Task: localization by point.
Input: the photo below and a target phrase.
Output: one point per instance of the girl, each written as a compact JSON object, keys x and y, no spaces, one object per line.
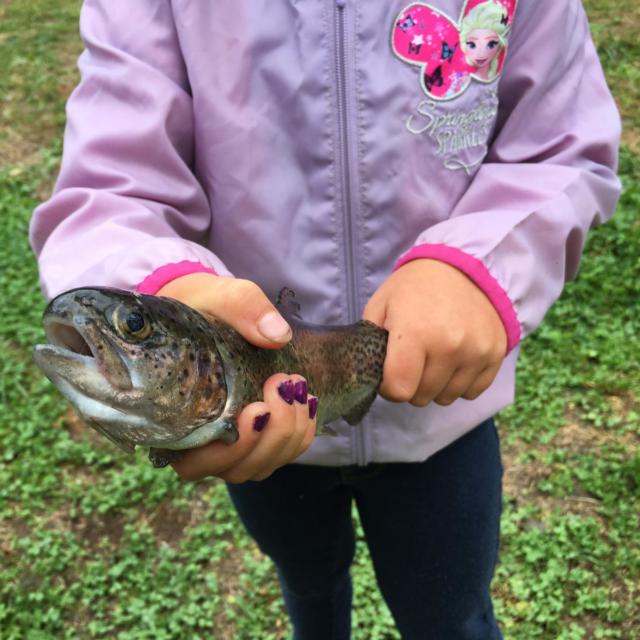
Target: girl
{"x":217,"y":151}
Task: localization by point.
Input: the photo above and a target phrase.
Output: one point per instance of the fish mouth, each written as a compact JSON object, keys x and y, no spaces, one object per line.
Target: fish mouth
{"x":82,"y":355}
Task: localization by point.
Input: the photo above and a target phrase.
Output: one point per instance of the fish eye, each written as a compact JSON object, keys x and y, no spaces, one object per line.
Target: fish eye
{"x":135,"y":322}
{"x":131,"y":324}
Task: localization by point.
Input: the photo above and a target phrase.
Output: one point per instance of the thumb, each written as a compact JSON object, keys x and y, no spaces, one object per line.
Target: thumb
{"x":240,"y":303}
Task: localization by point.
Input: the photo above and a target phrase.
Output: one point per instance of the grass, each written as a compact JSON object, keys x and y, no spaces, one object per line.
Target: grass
{"x":94,"y":544}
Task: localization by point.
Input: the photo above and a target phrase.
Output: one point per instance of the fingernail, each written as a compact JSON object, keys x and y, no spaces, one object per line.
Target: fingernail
{"x":313,"y":407}
{"x":260,"y":422}
{"x":287,"y":391}
{"x":274,"y":327}
{"x":300,"y":393}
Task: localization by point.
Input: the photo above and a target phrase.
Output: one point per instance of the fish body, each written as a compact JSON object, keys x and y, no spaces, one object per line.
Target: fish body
{"x":152,"y":372}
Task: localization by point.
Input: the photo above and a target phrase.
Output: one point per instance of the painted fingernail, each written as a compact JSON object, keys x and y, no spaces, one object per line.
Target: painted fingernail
{"x":260,"y":422}
{"x":313,"y":407}
{"x":300,"y":391}
{"x":287,"y":391}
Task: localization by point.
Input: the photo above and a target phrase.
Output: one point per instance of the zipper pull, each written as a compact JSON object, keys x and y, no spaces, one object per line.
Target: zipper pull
{"x":341,"y":4}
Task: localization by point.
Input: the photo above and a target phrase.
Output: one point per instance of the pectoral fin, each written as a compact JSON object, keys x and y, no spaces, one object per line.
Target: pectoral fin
{"x":162,"y":457}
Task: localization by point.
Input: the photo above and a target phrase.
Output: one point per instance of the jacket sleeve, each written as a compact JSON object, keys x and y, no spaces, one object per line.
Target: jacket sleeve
{"x":550,"y":174}
{"x":127,"y":208}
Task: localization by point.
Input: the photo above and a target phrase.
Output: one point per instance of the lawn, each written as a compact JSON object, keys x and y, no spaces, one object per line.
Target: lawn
{"x":94,"y":544}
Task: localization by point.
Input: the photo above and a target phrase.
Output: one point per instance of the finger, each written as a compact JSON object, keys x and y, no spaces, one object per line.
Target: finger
{"x":481,"y":383}
{"x":301,"y":395}
{"x":302,"y":437}
{"x":435,"y":377}
{"x":246,"y":308}
{"x":403,"y":366}
{"x":283,"y":427}
{"x":240,"y":303}
{"x":305,"y":443}
{"x":302,"y":422}
{"x":457,"y":386}
{"x":216,"y":457}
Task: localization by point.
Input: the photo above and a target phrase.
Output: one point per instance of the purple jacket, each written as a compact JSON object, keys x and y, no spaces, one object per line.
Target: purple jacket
{"x":318,"y":144}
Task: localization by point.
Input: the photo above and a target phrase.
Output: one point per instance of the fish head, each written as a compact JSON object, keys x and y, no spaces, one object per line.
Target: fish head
{"x":142,"y":370}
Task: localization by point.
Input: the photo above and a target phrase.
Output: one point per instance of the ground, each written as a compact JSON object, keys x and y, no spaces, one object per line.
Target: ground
{"x":95,"y":545}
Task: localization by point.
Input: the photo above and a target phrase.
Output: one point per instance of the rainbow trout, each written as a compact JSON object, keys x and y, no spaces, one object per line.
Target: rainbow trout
{"x":152,"y":372}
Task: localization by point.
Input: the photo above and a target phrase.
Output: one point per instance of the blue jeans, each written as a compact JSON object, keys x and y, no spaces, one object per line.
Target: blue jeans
{"x":432,"y":530}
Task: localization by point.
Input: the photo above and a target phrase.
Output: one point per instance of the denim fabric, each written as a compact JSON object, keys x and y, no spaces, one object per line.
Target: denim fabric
{"x":432,"y":529}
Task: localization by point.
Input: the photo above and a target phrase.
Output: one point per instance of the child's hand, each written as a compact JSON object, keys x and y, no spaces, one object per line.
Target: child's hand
{"x":273,"y":432}
{"x":446,"y":340}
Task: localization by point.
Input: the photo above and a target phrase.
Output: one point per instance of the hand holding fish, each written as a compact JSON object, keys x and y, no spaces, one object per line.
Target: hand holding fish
{"x":257,"y":453}
{"x":446,"y":340}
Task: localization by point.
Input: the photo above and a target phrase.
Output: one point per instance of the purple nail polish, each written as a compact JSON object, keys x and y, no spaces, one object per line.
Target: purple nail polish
{"x":260,"y":422}
{"x":300,"y":393}
{"x":313,"y":407}
{"x":287,"y":391}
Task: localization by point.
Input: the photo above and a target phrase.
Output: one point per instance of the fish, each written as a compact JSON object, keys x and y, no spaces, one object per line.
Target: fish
{"x":151,"y":372}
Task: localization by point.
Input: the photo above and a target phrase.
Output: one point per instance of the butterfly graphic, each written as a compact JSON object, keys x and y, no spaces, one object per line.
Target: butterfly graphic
{"x":407,"y":23}
{"x":426,"y":37}
{"x":435,"y":79}
{"x":447,"y":51}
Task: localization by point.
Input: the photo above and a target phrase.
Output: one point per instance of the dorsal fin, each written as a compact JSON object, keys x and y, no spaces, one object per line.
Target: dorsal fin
{"x":287,"y":303}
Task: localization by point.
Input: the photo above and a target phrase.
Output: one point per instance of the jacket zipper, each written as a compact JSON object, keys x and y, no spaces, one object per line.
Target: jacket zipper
{"x":346,"y":188}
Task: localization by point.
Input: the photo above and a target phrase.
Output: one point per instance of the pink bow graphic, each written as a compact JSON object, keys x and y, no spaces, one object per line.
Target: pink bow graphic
{"x":450,"y":55}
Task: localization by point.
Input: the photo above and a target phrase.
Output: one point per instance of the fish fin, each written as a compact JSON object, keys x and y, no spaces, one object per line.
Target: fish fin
{"x":326,"y":430}
{"x":126,"y":446}
{"x":162,"y":457}
{"x":357,"y":413}
{"x":287,"y":303}
{"x":229,"y":432}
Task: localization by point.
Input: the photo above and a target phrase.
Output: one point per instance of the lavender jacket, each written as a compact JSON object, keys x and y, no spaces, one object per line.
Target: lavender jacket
{"x":319,"y":144}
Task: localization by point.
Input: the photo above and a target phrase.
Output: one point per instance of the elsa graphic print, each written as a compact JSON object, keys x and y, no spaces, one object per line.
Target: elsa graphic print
{"x":450,"y":55}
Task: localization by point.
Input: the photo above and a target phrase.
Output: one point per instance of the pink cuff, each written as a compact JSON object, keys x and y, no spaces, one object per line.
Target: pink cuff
{"x":168,"y":272}
{"x":479,"y":274}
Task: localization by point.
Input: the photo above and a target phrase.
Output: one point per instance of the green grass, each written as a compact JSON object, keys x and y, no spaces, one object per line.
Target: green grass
{"x":94,"y":544}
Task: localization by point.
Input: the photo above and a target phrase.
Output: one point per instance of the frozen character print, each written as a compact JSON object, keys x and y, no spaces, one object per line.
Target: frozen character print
{"x":483,"y":36}
{"x":451,"y":54}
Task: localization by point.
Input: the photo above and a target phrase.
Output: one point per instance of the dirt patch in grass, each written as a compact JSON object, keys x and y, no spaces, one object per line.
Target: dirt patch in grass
{"x":168,"y":523}
{"x":228,"y":573}
{"x":96,"y":530}
{"x":522,"y":479}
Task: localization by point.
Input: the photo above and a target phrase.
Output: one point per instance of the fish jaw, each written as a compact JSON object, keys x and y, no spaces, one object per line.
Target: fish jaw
{"x":74,"y":375}
{"x":82,"y":355}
